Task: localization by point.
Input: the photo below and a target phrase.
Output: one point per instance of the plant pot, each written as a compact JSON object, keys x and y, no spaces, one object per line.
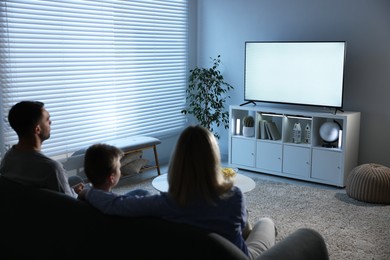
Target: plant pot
{"x":248,"y":131}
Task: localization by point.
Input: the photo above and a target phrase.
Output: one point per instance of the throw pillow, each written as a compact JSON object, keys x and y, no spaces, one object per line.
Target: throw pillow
{"x":134,"y":167}
{"x":129,"y":157}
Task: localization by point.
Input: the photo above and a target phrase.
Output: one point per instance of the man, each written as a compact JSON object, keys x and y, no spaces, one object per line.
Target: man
{"x":24,"y":163}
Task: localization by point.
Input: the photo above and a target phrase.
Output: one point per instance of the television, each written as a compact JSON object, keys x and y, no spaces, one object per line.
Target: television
{"x":295,"y":72}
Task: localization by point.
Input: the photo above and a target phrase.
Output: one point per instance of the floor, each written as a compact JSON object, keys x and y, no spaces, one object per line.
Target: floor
{"x":163,"y":168}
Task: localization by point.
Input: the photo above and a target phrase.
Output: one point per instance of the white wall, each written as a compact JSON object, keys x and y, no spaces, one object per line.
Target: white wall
{"x":224,"y":25}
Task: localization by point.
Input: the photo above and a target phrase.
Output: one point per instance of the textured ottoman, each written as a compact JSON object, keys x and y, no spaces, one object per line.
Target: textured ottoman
{"x":370,"y":183}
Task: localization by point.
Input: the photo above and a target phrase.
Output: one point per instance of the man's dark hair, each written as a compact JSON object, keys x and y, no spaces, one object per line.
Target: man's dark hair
{"x":24,"y":116}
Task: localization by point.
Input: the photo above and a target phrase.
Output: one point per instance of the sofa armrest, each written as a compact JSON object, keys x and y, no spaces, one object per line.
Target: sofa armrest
{"x":303,"y":244}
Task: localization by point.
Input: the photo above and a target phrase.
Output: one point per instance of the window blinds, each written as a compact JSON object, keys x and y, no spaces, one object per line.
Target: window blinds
{"x":104,"y":69}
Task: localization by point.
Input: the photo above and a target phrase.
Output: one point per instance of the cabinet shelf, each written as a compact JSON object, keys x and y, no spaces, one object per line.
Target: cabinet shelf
{"x":285,"y":153}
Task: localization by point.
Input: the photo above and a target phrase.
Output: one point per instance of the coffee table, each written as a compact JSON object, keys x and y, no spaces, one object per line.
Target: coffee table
{"x":245,"y":183}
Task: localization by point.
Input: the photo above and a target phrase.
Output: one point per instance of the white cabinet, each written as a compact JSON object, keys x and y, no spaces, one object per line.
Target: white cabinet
{"x":269,"y":156}
{"x":297,"y":160}
{"x":327,"y":166}
{"x":243,"y":152}
{"x":281,"y":152}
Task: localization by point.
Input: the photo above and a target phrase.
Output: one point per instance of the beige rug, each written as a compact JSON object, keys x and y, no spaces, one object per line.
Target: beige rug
{"x":352,"y":229}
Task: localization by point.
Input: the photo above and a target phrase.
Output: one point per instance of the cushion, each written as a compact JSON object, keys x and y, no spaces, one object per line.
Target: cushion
{"x":369,"y":183}
{"x":134,"y":167}
{"x":129,"y":157}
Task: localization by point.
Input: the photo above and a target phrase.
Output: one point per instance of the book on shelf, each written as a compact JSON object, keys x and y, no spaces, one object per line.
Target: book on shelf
{"x":272,"y":129}
{"x":263,"y":132}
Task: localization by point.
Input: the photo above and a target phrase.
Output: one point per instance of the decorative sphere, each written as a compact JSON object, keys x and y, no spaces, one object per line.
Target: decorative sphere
{"x":329,"y":131}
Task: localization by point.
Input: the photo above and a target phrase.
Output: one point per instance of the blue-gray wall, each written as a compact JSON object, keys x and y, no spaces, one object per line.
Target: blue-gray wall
{"x":222,"y":27}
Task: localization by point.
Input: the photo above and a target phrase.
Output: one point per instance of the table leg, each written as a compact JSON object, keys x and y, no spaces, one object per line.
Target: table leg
{"x":156,"y":158}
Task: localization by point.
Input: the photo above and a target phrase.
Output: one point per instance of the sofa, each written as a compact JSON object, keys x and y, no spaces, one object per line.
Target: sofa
{"x":44,"y":224}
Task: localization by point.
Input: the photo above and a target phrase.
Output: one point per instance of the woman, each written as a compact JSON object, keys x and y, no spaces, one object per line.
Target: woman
{"x":198,"y":195}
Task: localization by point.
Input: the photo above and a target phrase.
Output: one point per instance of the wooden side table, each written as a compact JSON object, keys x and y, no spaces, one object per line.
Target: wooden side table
{"x":127,"y":145}
{"x":139,"y":143}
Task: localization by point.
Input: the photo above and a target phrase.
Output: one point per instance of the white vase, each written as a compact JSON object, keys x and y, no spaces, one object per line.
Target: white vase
{"x":248,"y":131}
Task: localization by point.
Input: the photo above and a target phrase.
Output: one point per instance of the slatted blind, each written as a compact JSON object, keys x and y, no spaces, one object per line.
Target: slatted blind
{"x":104,"y":69}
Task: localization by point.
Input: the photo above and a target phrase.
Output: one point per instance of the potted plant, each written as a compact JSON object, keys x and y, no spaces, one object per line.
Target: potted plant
{"x":206,"y":96}
{"x":248,"y":130}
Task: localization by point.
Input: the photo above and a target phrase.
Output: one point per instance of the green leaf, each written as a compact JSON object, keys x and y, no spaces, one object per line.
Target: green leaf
{"x":206,"y":96}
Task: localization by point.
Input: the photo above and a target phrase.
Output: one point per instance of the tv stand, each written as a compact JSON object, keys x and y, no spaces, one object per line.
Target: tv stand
{"x":333,"y":110}
{"x":278,"y":153}
{"x":338,"y":109}
{"x":248,"y":102}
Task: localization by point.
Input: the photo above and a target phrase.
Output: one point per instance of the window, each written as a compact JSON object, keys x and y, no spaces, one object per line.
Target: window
{"x":104,"y":69}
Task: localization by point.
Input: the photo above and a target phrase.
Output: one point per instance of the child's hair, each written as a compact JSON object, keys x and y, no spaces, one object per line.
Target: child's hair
{"x":100,"y":161}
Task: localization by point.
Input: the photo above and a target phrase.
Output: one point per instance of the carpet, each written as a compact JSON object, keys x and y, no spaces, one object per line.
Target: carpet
{"x":351,"y":229}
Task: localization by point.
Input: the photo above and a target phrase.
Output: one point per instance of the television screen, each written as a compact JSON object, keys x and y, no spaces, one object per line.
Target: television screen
{"x":302,"y":73}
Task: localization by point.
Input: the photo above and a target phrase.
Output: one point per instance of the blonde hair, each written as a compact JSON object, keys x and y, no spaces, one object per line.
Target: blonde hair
{"x":194,"y":171}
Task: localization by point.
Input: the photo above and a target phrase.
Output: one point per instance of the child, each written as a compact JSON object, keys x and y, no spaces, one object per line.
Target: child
{"x":102,"y":166}
{"x":197,"y":195}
